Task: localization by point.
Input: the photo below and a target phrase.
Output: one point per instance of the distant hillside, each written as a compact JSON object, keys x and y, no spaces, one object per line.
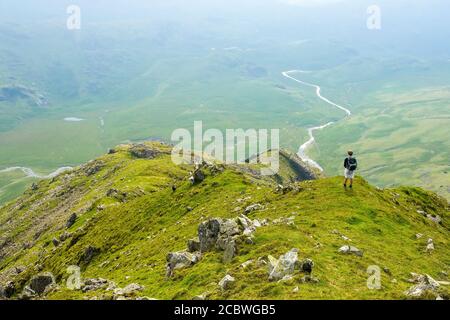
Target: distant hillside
{"x":139,"y":229}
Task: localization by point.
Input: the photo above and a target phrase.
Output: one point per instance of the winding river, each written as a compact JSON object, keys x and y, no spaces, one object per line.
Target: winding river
{"x":31,"y":174}
{"x":304,"y":147}
{"x":302,"y":152}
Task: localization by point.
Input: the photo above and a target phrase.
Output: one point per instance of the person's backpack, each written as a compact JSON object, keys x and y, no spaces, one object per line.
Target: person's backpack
{"x":352,"y":164}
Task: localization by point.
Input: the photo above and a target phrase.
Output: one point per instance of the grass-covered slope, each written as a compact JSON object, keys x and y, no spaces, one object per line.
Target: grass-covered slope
{"x":130,"y":217}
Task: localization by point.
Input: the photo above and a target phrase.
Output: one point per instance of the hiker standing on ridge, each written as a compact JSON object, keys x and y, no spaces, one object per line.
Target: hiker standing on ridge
{"x":350,"y":165}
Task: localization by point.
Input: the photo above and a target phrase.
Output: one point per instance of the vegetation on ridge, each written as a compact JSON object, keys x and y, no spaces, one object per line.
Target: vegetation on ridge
{"x":128,"y":219}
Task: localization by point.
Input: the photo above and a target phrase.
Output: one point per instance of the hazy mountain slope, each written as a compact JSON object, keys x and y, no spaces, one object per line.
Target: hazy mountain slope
{"x":129,"y":219}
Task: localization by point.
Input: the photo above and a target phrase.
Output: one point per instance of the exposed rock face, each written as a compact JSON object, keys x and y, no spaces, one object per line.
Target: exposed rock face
{"x":40,"y":283}
{"x":350,"y":250}
{"x":284,"y":266}
{"x":226,"y":282}
{"x":179,"y":260}
{"x":424,"y":285}
{"x":193,"y":245}
{"x":8,"y":290}
{"x":142,"y":151}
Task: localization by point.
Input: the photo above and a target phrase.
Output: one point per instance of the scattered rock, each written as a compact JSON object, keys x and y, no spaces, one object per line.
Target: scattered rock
{"x":55,"y":242}
{"x":421,"y":212}
{"x":34,"y":186}
{"x":296,"y":290}
{"x":179,"y":260}
{"x":435,"y":218}
{"x":71,"y":221}
{"x":419,"y":235}
{"x":351,"y":250}
{"x":341,"y":235}
{"x":253,"y":207}
{"x":93,"y":168}
{"x":96,"y":284}
{"x":226,"y":282}
{"x":116,"y":194}
{"x":64,"y":236}
{"x":130,"y":290}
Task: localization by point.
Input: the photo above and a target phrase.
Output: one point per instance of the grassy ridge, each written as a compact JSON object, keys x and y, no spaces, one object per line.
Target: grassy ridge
{"x":134,"y":236}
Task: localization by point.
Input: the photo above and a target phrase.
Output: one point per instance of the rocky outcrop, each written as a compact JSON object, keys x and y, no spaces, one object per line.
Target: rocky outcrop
{"x":425,"y":286}
{"x":226,"y":235}
{"x":93,"y":167}
{"x":39,"y":285}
